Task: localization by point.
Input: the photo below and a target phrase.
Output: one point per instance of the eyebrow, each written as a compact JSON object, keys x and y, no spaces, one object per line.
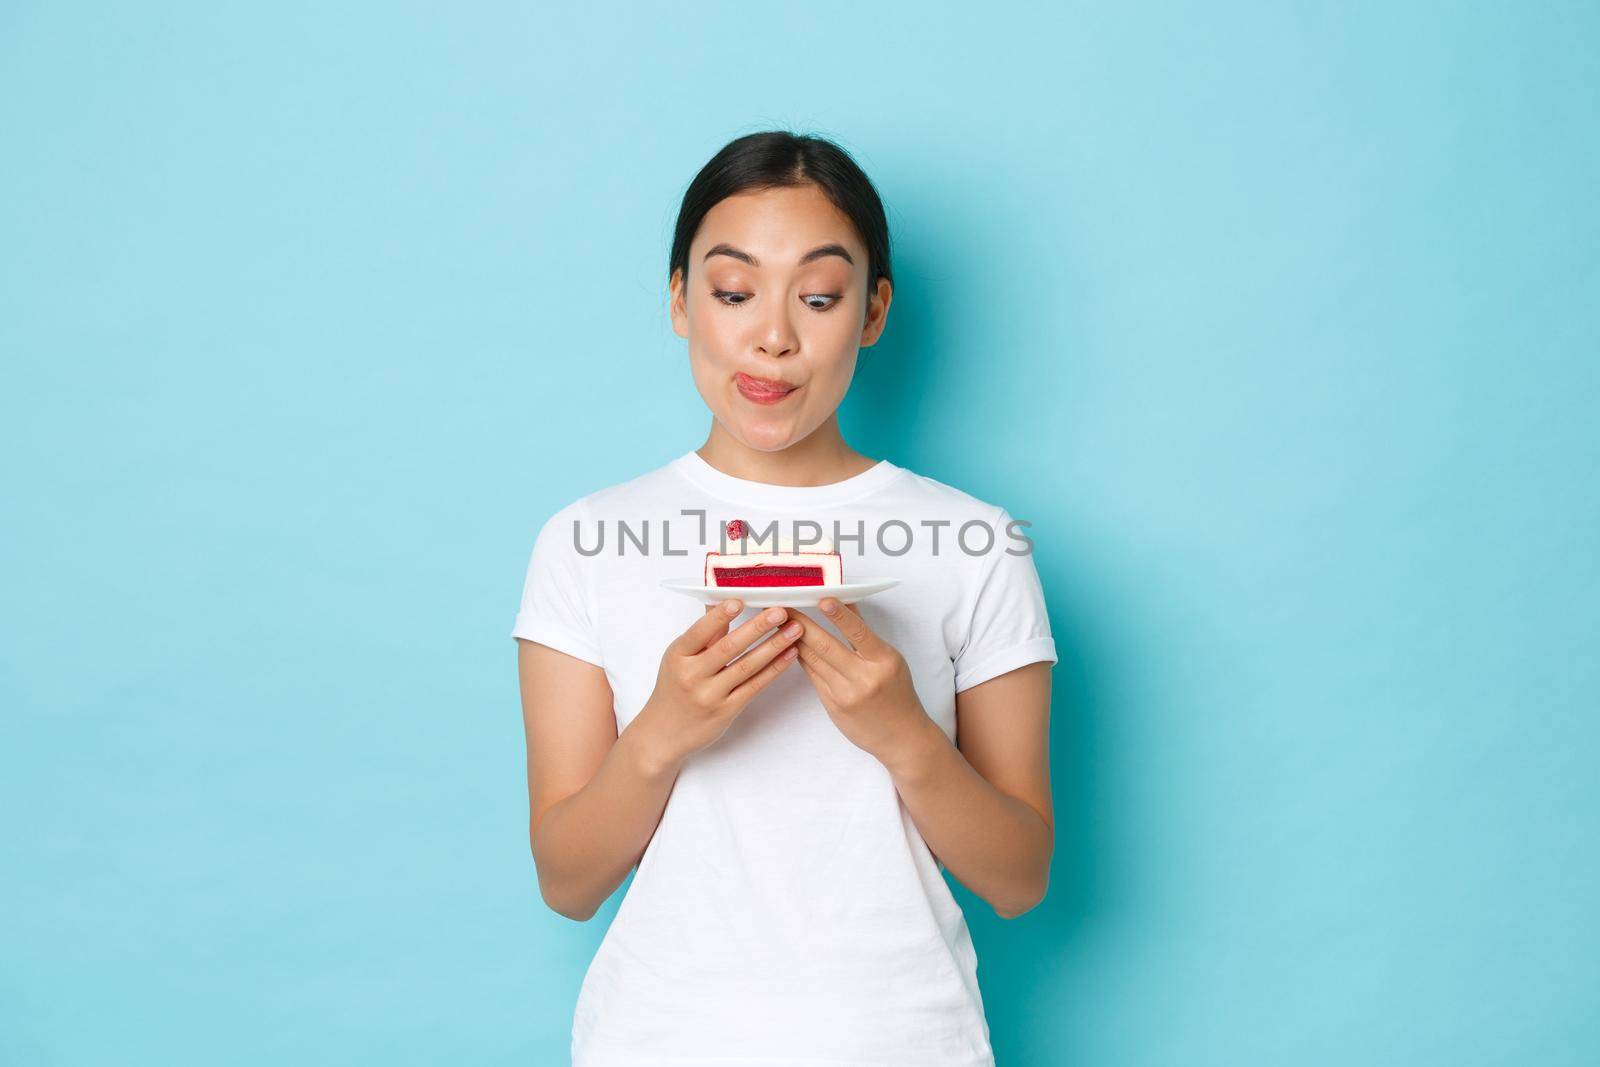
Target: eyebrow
{"x":818,"y":252}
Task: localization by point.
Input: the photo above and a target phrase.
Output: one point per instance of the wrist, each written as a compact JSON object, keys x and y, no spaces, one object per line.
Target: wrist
{"x":918,"y":752}
{"x":648,"y":753}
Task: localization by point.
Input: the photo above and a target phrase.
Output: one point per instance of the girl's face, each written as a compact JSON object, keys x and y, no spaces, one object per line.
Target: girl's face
{"x":775,"y":310}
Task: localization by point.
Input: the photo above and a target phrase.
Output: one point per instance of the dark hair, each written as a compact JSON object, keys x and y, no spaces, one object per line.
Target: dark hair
{"x":776,"y":159}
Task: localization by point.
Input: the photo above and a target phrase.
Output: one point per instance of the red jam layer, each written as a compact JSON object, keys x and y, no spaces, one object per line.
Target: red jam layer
{"x":726,"y":576}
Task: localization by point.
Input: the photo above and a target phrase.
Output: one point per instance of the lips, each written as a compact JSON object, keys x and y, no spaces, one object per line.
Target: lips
{"x":763,"y":390}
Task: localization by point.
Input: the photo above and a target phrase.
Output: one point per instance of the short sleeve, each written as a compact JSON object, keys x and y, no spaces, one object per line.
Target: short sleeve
{"x":557,"y":608}
{"x":1009,"y":627}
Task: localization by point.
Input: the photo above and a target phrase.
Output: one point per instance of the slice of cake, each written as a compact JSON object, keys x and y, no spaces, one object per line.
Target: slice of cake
{"x":749,"y":562}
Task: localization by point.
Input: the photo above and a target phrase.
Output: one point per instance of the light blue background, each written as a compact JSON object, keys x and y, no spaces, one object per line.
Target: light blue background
{"x":1279,"y":322}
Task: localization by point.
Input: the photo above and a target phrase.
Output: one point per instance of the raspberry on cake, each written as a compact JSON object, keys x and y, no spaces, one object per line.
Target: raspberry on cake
{"x":753,"y":563}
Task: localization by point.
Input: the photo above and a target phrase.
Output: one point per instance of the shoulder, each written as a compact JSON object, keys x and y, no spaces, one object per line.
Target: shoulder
{"x":981,"y":527}
{"x":929,"y":494}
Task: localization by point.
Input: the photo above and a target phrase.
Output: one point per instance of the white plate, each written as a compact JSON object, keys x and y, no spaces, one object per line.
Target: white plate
{"x":779,"y":596}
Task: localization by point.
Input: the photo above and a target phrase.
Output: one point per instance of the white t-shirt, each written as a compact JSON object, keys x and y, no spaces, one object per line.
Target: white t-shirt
{"x":787,"y":911}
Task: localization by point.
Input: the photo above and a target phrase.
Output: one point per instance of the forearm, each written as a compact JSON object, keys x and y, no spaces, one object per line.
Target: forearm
{"x":995,"y":845}
{"x":585,"y":844}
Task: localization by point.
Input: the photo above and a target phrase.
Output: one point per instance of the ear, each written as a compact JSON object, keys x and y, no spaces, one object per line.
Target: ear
{"x":676,"y":304}
{"x":877,"y":312}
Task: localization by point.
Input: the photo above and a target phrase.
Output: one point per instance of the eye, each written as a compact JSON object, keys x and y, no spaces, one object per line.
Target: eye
{"x":727,"y":297}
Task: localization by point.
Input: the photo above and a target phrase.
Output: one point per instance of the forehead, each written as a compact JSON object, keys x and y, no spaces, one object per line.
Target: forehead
{"x":777,"y":226}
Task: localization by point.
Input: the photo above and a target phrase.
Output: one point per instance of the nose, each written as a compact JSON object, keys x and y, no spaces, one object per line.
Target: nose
{"x":776,"y":336}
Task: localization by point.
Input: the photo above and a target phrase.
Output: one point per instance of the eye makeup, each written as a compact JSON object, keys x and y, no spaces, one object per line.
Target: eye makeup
{"x":833,"y":299}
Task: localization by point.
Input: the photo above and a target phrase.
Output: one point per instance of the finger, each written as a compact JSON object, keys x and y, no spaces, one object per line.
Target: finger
{"x":847,"y":617}
{"x":720,"y":651}
{"x":765,"y":676}
{"x":823,"y":652}
{"x":710,"y":626}
{"x":817,"y":680}
{"x":752,"y":662}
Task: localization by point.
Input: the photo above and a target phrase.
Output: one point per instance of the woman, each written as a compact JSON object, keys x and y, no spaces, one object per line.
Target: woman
{"x":787,"y":794}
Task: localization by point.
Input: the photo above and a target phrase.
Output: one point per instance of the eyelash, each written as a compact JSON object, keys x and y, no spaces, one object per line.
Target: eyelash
{"x":720,"y":293}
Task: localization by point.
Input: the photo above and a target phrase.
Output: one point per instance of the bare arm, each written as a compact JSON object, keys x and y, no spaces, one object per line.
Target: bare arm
{"x":595,"y":798}
{"x":983,"y":808}
{"x":983,"y":805}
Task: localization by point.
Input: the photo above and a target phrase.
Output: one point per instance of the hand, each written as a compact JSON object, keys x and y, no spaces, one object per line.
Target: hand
{"x":699,"y":692}
{"x":867,"y":691}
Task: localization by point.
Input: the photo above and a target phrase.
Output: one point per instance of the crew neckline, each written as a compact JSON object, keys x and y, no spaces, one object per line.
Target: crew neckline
{"x":744,"y":491}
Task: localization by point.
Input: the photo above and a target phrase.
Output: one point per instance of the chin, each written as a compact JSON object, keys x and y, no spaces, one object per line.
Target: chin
{"x":765,"y":436}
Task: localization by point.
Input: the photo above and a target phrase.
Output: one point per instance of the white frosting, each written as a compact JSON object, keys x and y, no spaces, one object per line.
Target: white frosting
{"x":785,"y":545}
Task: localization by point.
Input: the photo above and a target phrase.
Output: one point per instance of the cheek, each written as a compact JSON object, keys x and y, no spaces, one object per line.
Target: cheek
{"x":841,"y":334}
{"x":831,"y":379}
{"x":714,"y":335}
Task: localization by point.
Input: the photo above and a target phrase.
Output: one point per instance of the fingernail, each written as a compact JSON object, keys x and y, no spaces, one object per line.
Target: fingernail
{"x":731,"y":607}
{"x":775,"y":616}
{"x":792,"y":630}
{"x":830,"y":606}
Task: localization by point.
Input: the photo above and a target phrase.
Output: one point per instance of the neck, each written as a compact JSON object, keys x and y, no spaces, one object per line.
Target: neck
{"x":822,"y":458}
